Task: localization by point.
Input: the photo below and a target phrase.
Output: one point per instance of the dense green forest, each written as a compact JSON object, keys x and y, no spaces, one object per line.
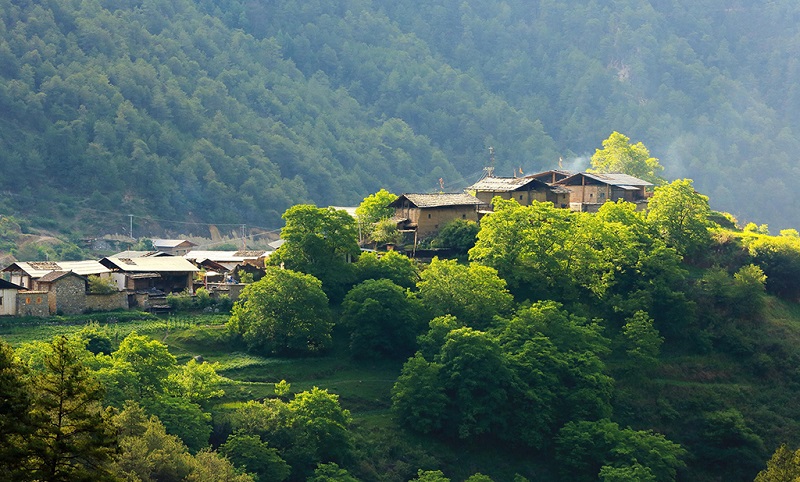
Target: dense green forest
{"x":232,"y":111}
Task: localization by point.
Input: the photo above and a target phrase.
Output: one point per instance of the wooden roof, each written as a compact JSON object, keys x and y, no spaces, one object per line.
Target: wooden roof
{"x":437,"y":200}
{"x":161,"y":264}
{"x":623,"y":181}
{"x":506,"y":184}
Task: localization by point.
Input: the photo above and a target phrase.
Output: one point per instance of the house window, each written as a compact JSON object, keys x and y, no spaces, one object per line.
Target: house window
{"x":27,"y":301}
{"x":1,"y":301}
{"x":429,"y":216}
{"x":38,"y":299}
{"x":463,"y":216}
{"x":520,"y":197}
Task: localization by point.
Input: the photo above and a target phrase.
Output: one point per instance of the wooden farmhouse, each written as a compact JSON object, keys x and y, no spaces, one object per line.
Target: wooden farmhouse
{"x":524,"y":190}
{"x":168,"y":274}
{"x":425,"y":214}
{"x":175,"y":247}
{"x":588,"y":191}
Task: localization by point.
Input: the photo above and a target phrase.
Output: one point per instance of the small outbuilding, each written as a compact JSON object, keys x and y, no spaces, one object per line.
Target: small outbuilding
{"x":8,"y":297}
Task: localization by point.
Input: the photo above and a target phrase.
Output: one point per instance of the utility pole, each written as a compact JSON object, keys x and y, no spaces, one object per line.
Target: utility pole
{"x":244,"y":237}
{"x":130,"y":231}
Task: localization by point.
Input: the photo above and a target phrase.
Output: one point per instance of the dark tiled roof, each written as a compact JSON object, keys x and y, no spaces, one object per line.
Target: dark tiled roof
{"x":438,"y":200}
{"x":54,"y":276}
{"x":7,"y":285}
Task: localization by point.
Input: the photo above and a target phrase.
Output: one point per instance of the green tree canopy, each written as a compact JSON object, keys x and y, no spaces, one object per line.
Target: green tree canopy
{"x":474,"y":294}
{"x":321,"y":242}
{"x":398,"y":268}
{"x":384,"y":320}
{"x":619,"y":155}
{"x":375,"y":207}
{"x":284,"y":312}
{"x":74,"y":438}
{"x":680,"y":215}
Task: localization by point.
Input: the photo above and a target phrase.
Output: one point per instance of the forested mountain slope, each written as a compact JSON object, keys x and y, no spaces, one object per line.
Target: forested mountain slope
{"x":231,"y":111}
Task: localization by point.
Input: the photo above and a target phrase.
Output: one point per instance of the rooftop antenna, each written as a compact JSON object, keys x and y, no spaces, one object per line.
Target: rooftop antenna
{"x":490,"y":168}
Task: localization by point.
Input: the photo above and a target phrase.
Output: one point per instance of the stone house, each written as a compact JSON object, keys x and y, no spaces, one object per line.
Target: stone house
{"x":25,"y":274}
{"x":425,"y":214}
{"x":588,"y":191}
{"x":524,"y":190}
{"x":66,"y":292}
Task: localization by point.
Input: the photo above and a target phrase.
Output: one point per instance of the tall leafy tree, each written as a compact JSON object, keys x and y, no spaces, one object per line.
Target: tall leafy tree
{"x":474,"y":294}
{"x":680,"y":215}
{"x":619,"y":155}
{"x":321,"y":242}
{"x":384,"y":320}
{"x":285,"y":312}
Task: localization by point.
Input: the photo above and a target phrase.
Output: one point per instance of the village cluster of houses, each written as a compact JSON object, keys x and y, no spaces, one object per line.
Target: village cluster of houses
{"x":424,"y":214}
{"x":144,"y":278}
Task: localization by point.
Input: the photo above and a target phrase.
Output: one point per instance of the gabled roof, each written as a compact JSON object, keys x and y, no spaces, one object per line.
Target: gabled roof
{"x":437,"y":200}
{"x":7,"y":285}
{"x":506,"y":184}
{"x":351,"y":210}
{"x":225,"y":256}
{"x":37,"y":269}
{"x":57,"y":275}
{"x":556,"y":174}
{"x":172,"y":243}
{"x":138,"y":254}
{"x":276,"y":244}
{"x":161,"y":264}
{"x":623,"y":181}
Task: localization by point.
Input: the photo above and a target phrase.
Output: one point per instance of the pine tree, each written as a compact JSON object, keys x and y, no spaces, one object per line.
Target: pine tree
{"x":74,"y":439}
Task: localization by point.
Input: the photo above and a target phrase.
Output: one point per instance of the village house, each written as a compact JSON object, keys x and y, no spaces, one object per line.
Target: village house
{"x":524,"y":190}
{"x":229,"y":259}
{"x":588,"y":191}
{"x":175,"y":247}
{"x":168,"y":274}
{"x":66,"y":292}
{"x":425,"y":214}
{"x":25,"y":274}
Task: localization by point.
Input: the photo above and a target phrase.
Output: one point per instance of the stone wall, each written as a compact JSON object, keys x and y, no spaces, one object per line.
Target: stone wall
{"x":107,"y":302}
{"x":70,"y":296}
{"x":33,"y":303}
